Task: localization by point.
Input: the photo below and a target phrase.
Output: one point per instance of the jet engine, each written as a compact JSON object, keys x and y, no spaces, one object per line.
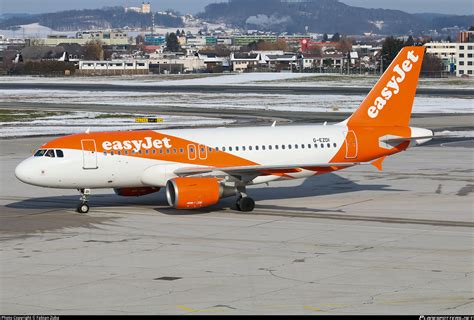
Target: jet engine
{"x":135,"y":191}
{"x":191,"y":193}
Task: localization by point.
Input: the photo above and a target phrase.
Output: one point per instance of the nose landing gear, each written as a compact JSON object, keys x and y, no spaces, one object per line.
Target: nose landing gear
{"x":83,"y":207}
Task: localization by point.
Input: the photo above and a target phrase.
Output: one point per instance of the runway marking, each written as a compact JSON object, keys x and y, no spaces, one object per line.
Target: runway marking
{"x":357,"y":202}
{"x":199,"y":310}
{"x":363,"y":218}
{"x":313,"y":309}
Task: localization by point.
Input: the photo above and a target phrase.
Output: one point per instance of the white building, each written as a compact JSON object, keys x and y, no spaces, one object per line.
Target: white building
{"x":145,"y":8}
{"x":465,"y":59}
{"x":456,"y":56}
{"x":244,"y":61}
{"x":114,"y":67}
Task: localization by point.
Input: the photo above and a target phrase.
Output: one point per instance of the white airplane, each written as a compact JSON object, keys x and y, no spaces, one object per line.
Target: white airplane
{"x":200,"y":166}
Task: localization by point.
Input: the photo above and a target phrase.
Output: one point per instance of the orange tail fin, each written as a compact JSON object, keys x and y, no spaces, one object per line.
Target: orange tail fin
{"x":390,"y":101}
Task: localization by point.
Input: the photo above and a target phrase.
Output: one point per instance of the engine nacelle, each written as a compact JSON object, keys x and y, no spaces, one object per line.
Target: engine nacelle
{"x":135,"y":191}
{"x":191,"y":193}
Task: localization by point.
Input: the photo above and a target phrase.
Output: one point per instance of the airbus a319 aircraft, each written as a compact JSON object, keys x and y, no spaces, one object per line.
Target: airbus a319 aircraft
{"x":197,"y":167}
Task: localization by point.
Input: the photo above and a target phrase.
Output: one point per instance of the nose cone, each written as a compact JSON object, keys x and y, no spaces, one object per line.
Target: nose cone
{"x":25,"y":172}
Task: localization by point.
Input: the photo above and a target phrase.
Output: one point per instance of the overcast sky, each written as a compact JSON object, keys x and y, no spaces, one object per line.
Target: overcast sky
{"x":193,"y":6}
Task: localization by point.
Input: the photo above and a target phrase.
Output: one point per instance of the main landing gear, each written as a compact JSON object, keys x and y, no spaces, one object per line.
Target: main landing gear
{"x":83,"y":207}
{"x":244,"y":203}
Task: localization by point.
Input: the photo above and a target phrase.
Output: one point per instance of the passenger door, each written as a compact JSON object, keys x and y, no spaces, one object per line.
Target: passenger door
{"x":89,"y":154}
{"x":351,"y":145}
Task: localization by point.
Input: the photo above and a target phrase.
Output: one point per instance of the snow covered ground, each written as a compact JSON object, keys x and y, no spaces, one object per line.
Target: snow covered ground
{"x":284,"y":102}
{"x":75,"y":122}
{"x":243,"y":79}
{"x":34,"y":30}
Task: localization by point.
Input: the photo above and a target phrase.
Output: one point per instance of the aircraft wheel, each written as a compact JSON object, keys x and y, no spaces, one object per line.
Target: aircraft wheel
{"x":245,"y":204}
{"x":83,"y":208}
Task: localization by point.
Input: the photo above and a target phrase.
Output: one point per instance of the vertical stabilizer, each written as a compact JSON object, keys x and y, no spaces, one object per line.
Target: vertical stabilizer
{"x":390,"y":101}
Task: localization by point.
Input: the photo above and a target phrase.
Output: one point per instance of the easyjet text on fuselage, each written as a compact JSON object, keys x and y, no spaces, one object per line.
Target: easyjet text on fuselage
{"x":137,"y":145}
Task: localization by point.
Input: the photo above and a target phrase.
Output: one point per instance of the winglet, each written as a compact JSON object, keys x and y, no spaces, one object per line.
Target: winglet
{"x":378,"y":163}
{"x":274,"y":123}
{"x":88,"y":130}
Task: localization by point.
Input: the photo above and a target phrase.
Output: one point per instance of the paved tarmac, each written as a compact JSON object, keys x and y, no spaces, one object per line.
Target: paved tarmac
{"x":346,"y":90}
{"x":359,"y":241}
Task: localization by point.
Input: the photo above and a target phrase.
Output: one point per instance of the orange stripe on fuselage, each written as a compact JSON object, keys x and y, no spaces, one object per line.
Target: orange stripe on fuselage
{"x":176,"y":145}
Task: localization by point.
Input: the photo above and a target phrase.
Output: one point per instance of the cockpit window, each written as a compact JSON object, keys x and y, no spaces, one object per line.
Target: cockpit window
{"x":40,"y":153}
{"x":49,"y":153}
{"x":59,"y":154}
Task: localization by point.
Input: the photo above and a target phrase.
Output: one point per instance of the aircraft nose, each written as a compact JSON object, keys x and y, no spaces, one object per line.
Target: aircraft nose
{"x":25,"y":172}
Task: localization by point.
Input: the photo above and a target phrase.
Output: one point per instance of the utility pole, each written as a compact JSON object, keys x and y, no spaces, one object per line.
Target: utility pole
{"x":381,"y":63}
{"x":152,"y":24}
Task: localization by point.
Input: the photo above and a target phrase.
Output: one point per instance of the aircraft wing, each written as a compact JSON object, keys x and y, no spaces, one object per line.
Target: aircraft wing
{"x":260,"y":169}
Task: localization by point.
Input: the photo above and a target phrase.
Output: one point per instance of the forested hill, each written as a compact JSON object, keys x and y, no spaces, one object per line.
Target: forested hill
{"x":324,"y":16}
{"x":89,"y":19}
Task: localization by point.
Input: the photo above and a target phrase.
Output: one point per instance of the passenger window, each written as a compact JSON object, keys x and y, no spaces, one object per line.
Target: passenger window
{"x":236,"y":148}
{"x":289,"y":146}
{"x":59,"y":154}
{"x":263,"y":147}
{"x":334,"y":145}
{"x":230,"y":148}
{"x":309,"y":145}
{"x":49,"y":153}
{"x":296,"y":146}
{"x":145,"y":152}
{"x":174,"y":150}
{"x":250,"y":148}
{"x":302,"y":146}
{"x":139,"y":151}
{"x":243,"y":148}
{"x":256,"y":148}
{"x":322,"y":145}
{"x":270,"y":147}
{"x":154,"y":151}
{"x":329,"y":145}
{"x":283,"y":146}
{"x":105,"y":153}
{"x":276,"y":147}
{"x":316,"y":145}
{"x":217,"y":149}
{"x":181,"y":150}
{"x":223,"y":148}
{"x":161,"y":151}
{"x":118,"y":152}
{"x":126,"y":152}
{"x":167,"y":151}
{"x":111,"y":153}
{"x":210,"y":149}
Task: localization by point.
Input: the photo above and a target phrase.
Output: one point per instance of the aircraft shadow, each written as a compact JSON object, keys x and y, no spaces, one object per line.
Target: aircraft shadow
{"x":318,"y":186}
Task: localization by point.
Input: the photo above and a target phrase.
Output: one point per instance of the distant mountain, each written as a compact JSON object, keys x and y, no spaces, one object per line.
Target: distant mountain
{"x":323,"y":16}
{"x":4,"y":16}
{"x":439,"y":21}
{"x":71,"y":20}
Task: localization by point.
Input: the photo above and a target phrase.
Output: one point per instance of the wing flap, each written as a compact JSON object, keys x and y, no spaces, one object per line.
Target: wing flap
{"x":260,"y":169}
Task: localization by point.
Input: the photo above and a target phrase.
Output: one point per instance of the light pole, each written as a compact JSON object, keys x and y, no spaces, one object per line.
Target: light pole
{"x":381,"y":62}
